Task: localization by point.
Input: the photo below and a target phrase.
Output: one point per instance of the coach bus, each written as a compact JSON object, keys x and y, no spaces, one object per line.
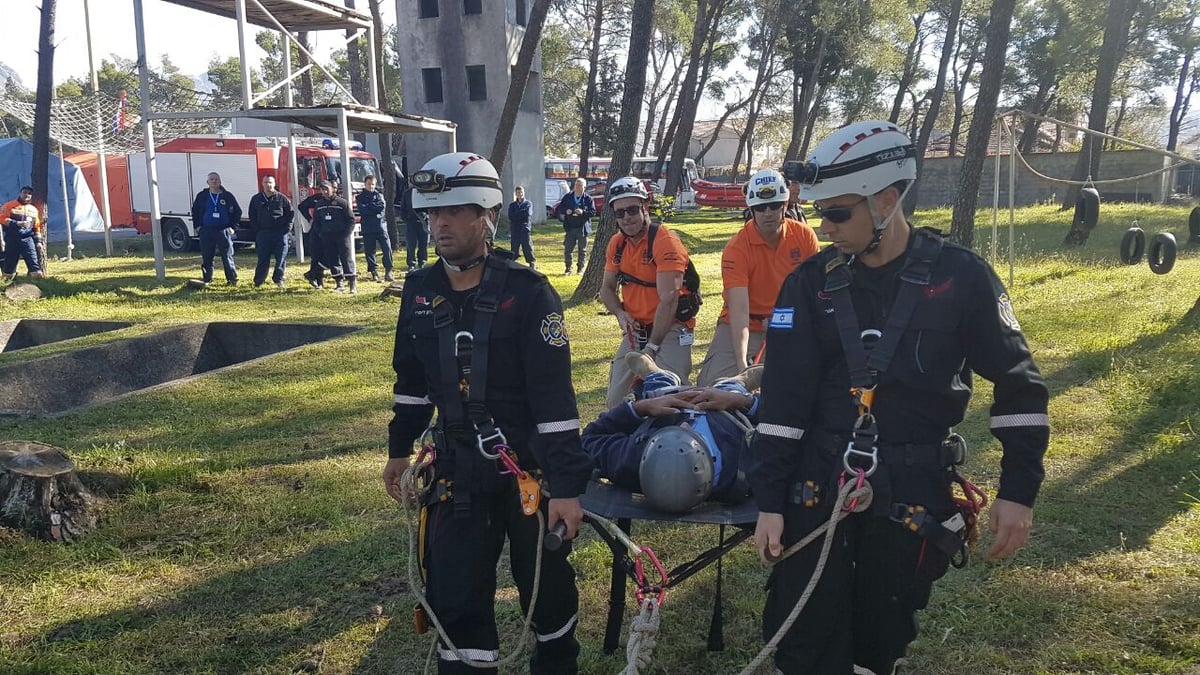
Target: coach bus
{"x":565,"y":170}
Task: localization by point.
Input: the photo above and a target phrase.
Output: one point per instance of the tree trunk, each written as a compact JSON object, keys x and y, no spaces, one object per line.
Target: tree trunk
{"x":385,"y":140}
{"x":516,"y":87}
{"x":589,"y":98}
{"x":1112,"y":51}
{"x":935,"y":100}
{"x":803,"y":94}
{"x":307,"y":95}
{"x":809,"y":126}
{"x":45,"y":95}
{"x":1184,"y":87}
{"x":357,"y":85}
{"x":40,"y":493}
{"x":962,"y":224}
{"x":960,"y":94}
{"x":687,"y":96}
{"x":716,"y":134}
{"x":911,"y":60}
{"x":641,"y":30}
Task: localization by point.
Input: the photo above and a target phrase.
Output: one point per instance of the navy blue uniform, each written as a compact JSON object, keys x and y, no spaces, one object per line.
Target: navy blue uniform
{"x":531,"y":399}
{"x":416,"y":230}
{"x":271,"y":219}
{"x":577,"y":227}
{"x":371,"y":208}
{"x":333,"y":222}
{"x":879,"y":573}
{"x":520,"y":229}
{"x":216,"y":216}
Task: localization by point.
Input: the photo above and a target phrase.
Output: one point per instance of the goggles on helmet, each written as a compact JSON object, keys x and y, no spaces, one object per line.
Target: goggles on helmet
{"x":619,"y":190}
{"x":811,"y":173}
{"x":429,"y":181}
{"x":766,"y":192}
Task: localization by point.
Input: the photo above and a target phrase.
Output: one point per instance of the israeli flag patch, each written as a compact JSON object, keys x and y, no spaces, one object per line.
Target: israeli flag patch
{"x":782,"y":317}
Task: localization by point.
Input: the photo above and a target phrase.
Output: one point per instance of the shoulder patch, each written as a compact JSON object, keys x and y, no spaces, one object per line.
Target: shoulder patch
{"x":1007,"y":314}
{"x":782,"y":317}
{"x":553,"y":330}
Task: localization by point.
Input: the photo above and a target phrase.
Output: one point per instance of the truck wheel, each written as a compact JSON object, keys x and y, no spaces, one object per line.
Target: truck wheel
{"x":175,"y":236}
{"x":1133,"y":245}
{"x":1162,"y":253}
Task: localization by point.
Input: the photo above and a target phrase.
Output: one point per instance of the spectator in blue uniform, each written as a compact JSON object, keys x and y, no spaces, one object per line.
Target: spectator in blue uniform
{"x":520,"y":230}
{"x":271,"y":219}
{"x":416,"y":228}
{"x":371,"y":207}
{"x":216,"y":213}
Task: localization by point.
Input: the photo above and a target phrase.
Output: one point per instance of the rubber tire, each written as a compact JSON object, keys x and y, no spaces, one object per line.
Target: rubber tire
{"x":1162,"y":253}
{"x":1087,"y":208}
{"x":1134,"y":237}
{"x":175,"y":236}
{"x":1194,"y":226}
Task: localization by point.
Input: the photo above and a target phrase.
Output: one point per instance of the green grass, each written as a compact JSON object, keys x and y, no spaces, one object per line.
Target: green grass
{"x":244,"y":523}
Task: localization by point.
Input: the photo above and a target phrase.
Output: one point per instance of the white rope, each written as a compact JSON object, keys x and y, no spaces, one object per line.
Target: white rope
{"x":409,"y":494}
{"x":643,"y":637}
{"x":848,"y":493}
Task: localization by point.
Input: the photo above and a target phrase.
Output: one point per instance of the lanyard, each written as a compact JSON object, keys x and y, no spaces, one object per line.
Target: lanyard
{"x":214,"y":199}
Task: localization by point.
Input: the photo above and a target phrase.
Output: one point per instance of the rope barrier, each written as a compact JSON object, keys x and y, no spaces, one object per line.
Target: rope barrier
{"x":1089,"y":182}
{"x":409,"y":493}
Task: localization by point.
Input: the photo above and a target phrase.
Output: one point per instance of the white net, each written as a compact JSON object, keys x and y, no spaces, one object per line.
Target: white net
{"x":88,"y":121}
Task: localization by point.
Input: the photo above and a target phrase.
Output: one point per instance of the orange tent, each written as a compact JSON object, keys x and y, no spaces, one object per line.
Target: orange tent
{"x":118,"y":184}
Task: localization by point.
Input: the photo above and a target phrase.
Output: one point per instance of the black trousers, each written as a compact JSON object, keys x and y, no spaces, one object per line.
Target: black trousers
{"x":878,"y":575}
{"x":459,"y":562}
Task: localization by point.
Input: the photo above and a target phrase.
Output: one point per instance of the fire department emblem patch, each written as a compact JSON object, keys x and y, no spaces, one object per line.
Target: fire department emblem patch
{"x":553,"y":330}
{"x":1007,"y":315}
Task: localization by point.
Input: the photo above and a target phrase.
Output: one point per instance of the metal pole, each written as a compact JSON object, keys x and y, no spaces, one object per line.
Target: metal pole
{"x":372,"y":64}
{"x":101,"y":159}
{"x":62,"y":167}
{"x":1012,"y":195}
{"x":344,"y":145}
{"x":247,"y":103}
{"x":294,"y":173}
{"x":139,"y":29}
{"x":995,"y":200}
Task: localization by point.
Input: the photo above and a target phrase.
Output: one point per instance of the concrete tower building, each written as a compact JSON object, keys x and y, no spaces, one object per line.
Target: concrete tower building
{"x":456,"y":58}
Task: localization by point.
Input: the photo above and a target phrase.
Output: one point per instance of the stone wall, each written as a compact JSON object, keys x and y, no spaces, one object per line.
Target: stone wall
{"x":939,"y":178}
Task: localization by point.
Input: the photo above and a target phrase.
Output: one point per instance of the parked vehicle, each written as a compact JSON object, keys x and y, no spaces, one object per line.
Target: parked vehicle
{"x":567,"y":169}
{"x":183,"y":165}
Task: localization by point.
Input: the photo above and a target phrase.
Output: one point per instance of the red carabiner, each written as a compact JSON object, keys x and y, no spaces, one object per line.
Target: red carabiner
{"x":862,"y":479}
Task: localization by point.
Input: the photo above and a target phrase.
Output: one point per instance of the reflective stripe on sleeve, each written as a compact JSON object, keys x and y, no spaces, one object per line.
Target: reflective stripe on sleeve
{"x":558,"y":633}
{"x":781,"y":431}
{"x":473,"y":654}
{"x":412,"y":400}
{"x":1021,"y":420}
{"x":561,"y":425}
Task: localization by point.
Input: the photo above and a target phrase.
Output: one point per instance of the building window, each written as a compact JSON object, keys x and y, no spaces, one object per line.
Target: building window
{"x":428,"y":8}
{"x":433,"y":84}
{"x":522,"y":12}
{"x":476,"y":83}
{"x":472,"y":6}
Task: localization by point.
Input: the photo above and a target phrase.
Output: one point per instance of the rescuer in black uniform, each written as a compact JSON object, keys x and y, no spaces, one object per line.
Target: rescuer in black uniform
{"x":893,"y":306}
{"x":333,"y":221}
{"x":481,"y":338}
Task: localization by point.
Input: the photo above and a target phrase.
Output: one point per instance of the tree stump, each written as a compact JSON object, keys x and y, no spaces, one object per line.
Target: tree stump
{"x":40,"y":493}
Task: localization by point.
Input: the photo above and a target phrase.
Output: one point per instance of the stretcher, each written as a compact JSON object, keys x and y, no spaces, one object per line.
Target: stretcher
{"x":620,"y":508}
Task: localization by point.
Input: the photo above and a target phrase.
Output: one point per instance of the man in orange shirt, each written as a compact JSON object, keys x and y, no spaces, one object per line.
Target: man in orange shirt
{"x":23,"y":228}
{"x":753,"y":267}
{"x":644,"y":288}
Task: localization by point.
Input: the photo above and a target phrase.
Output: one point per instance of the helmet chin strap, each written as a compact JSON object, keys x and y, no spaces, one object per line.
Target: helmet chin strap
{"x":882,"y":223}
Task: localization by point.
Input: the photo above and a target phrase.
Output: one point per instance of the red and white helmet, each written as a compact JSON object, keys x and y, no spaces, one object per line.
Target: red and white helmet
{"x":624,"y":188}
{"x":766,"y":187}
{"x":858,"y":159}
{"x":454,"y":179}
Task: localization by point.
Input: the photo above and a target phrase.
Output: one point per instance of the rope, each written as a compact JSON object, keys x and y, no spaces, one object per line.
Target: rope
{"x":409,"y":493}
{"x":643,"y":637}
{"x":848,"y":493}
{"x":1089,"y":182}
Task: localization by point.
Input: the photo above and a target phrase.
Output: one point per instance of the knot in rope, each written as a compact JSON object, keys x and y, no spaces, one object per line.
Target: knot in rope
{"x":860,"y":498}
{"x":643,"y":636}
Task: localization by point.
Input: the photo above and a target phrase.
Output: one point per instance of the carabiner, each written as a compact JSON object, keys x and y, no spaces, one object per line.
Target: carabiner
{"x":852,"y":451}
{"x":460,"y":337}
{"x":498,"y":436}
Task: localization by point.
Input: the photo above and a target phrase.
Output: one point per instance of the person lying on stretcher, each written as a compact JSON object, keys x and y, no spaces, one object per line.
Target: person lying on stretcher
{"x":679,"y":446}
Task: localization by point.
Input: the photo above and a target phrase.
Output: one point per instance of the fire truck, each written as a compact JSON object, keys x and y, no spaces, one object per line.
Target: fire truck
{"x":183,"y":166}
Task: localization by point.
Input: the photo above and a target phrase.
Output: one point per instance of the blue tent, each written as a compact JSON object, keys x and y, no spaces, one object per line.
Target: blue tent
{"x":16,"y":167}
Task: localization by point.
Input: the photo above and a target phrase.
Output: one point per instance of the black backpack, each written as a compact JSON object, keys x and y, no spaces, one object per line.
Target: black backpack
{"x":689,"y":303}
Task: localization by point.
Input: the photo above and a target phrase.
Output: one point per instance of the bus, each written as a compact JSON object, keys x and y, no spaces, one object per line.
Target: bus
{"x":560,"y":172}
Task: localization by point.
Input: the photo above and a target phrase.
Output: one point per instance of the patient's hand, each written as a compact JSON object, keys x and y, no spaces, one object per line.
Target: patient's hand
{"x":660,"y":406}
{"x":710,"y":398}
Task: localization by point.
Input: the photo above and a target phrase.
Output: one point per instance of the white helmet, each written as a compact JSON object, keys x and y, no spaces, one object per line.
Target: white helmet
{"x":858,"y":159}
{"x":766,"y":187}
{"x":456,"y":178}
{"x":629,"y":186}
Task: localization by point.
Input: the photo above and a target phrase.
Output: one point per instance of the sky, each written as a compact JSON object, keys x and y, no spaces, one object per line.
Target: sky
{"x":190,"y":36}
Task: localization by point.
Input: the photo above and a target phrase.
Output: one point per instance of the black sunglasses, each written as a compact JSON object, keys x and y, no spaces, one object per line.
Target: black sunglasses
{"x":627,"y":211}
{"x":763,"y":208}
{"x":837,"y":214}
